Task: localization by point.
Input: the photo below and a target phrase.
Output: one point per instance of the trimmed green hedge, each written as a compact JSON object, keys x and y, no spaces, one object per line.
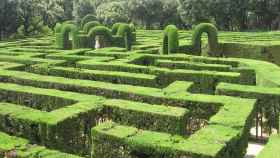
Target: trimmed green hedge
{"x":111,"y":140}
{"x":88,"y":26}
{"x":25,"y":149}
{"x":212,"y":33}
{"x":125,"y":32}
{"x":115,"y":28}
{"x":63,"y":39}
{"x":146,"y":116}
{"x":271,"y":149}
{"x":100,"y":31}
{"x":170,"y":41}
{"x":88,"y":18}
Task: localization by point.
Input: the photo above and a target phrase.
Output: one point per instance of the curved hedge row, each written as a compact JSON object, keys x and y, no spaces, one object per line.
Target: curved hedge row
{"x":99,"y":31}
{"x":125,"y":32}
{"x":212,"y":33}
{"x":86,"y":19}
{"x":170,"y":42}
{"x":68,"y":37}
{"x":88,"y":26}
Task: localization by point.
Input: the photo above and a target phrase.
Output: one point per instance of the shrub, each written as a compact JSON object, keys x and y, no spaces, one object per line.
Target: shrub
{"x":86,"y":19}
{"x":100,"y":31}
{"x":170,"y":40}
{"x":125,"y":32}
{"x":64,"y":41}
{"x":212,"y":33}
{"x":90,"y":25}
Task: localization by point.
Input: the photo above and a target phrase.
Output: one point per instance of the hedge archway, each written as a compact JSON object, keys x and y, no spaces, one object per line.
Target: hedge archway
{"x":125,"y":32}
{"x":88,"y":26}
{"x":100,"y":31}
{"x":68,"y":38}
{"x":86,"y":19}
{"x":212,"y":33}
{"x":115,"y":28}
{"x":170,"y":41}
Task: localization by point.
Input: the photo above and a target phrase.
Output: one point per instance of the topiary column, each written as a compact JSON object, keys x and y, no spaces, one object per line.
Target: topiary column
{"x":170,"y":42}
{"x":125,"y":32}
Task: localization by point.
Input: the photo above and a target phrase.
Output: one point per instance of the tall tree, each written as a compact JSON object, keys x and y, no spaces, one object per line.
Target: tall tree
{"x":145,"y":12}
{"x":51,"y":11}
{"x":81,"y":8}
{"x":9,"y":20}
{"x":112,"y":12}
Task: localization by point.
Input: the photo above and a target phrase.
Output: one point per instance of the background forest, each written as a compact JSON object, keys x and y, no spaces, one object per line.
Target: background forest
{"x":20,"y":18}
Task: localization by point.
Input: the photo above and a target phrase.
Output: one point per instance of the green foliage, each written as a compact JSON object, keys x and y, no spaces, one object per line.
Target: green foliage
{"x":115,"y":28}
{"x":101,"y":31}
{"x":125,"y":32}
{"x":82,"y":8}
{"x":212,"y":33}
{"x":67,"y":39}
{"x":170,"y":42}
{"x":88,"y":18}
{"x":88,"y":26}
{"x":271,"y":148}
{"x":112,"y":12}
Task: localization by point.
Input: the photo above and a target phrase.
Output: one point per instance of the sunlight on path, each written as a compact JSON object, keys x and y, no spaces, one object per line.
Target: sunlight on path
{"x":253,"y":149}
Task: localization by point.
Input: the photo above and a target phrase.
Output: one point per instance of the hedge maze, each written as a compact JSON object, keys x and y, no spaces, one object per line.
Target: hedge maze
{"x":57,"y":101}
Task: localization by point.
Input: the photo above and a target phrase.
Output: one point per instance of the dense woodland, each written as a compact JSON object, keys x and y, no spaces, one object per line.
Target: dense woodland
{"x":20,"y":18}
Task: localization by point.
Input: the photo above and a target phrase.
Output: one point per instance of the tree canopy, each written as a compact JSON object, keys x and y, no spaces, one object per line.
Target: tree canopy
{"x":29,"y":17}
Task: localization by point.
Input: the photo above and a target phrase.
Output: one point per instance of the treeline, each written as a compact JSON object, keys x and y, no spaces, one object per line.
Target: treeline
{"x":31,"y":17}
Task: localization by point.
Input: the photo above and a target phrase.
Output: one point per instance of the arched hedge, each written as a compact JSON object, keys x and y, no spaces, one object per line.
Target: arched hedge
{"x":64,"y":40}
{"x":88,"y":26}
{"x":125,"y":32}
{"x":99,"y":31}
{"x":87,"y":18}
{"x":170,"y":42}
{"x":212,"y":33}
{"x":115,"y":28}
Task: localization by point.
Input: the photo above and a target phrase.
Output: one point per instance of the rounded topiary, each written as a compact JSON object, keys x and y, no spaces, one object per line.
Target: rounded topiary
{"x":87,"y":18}
{"x":90,"y":25}
{"x":125,"y":32}
{"x":68,"y":37}
{"x":212,"y":33}
{"x":100,"y":31}
{"x":115,"y":28}
{"x":170,"y":42}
